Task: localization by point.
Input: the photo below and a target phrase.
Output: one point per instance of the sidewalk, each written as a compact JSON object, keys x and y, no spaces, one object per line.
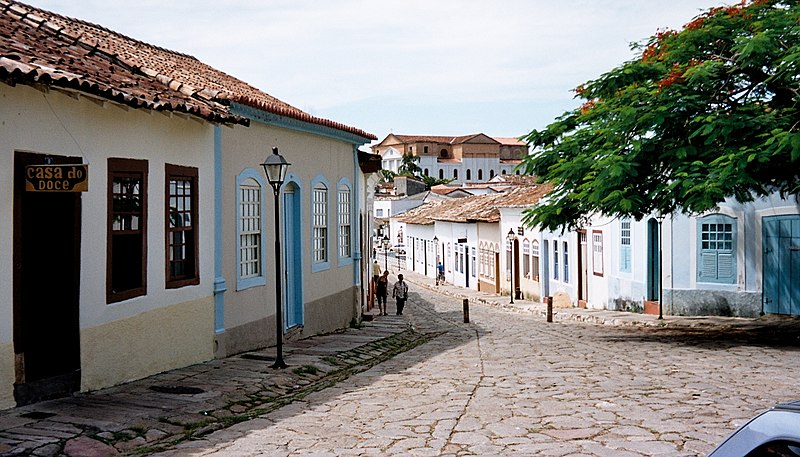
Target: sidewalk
{"x":603,"y":317}
{"x":164,"y":410}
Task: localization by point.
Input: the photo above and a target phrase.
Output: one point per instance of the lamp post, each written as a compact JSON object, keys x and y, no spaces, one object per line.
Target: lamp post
{"x":275,"y":167}
{"x":436,"y":257}
{"x":385,"y":253}
{"x":510,"y":239}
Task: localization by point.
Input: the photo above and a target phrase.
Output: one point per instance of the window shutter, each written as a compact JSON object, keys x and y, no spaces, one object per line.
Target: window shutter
{"x":725,"y":266}
{"x":626,"y":259}
{"x":716,"y":246}
{"x":708,"y":265}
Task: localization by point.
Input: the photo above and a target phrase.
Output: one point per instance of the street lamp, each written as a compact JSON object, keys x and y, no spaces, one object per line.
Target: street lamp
{"x":436,"y":258}
{"x":510,"y":239}
{"x":275,"y":167}
{"x":385,"y":253}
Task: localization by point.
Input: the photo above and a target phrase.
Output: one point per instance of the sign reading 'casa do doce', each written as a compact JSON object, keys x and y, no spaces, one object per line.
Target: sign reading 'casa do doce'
{"x":57,"y":178}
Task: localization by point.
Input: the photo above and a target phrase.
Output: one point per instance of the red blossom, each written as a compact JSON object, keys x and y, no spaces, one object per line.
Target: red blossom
{"x":588,"y":106}
{"x":696,"y":23}
{"x":677,"y":74}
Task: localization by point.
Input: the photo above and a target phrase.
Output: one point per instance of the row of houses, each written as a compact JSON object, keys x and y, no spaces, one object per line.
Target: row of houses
{"x":741,"y":260}
{"x":137,"y":234}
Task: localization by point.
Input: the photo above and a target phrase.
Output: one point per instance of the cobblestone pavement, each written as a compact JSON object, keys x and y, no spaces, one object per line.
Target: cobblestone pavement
{"x":427,"y":384}
{"x":509,"y":383}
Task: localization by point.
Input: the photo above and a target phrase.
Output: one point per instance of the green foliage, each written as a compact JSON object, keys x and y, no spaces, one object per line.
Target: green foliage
{"x":387,"y":175}
{"x":409,"y":167}
{"x":306,"y":369}
{"x":430,"y":181}
{"x":705,"y":113}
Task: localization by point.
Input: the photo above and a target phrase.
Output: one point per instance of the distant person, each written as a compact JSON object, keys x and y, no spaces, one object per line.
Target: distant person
{"x":439,"y":273}
{"x":381,"y":292}
{"x":400,"y":293}
{"x":376,"y":273}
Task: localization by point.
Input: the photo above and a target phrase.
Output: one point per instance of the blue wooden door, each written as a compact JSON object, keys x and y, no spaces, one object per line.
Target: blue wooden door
{"x":781,"y":265}
{"x":293,"y":300}
{"x":653,"y":261}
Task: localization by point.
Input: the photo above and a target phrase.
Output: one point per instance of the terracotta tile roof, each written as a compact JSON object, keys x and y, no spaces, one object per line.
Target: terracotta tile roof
{"x":510,"y":141}
{"x":483,"y":208}
{"x":100,"y":61}
{"x":424,"y":139}
{"x":524,"y":180}
{"x":463,"y":138}
{"x":37,"y":50}
{"x":405,"y":139}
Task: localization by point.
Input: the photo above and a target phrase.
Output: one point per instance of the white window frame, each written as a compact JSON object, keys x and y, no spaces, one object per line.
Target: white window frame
{"x":526,"y":258}
{"x":320,"y":213}
{"x":250,"y":228}
{"x":625,"y":245}
{"x":344,"y":216}
{"x":597,"y":252}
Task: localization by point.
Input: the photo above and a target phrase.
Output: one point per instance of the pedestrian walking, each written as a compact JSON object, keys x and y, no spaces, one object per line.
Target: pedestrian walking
{"x":381,"y":292}
{"x":376,"y":273}
{"x":400,"y":293}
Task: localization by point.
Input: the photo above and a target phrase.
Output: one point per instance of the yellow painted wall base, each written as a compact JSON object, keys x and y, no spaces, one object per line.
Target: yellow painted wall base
{"x":7,"y":376}
{"x":150,"y":343}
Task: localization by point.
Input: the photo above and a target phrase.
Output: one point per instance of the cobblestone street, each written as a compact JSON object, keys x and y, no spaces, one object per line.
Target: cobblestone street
{"x":511,"y":384}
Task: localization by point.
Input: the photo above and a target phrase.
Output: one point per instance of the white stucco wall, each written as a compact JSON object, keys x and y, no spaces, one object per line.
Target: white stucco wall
{"x":57,"y":124}
{"x":330,"y":296}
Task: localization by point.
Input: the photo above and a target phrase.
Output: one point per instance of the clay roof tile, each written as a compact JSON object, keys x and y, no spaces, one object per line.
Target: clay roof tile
{"x":128,"y":70}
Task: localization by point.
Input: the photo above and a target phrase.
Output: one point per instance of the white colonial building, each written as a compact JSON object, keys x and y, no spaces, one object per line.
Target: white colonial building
{"x":463,"y":159}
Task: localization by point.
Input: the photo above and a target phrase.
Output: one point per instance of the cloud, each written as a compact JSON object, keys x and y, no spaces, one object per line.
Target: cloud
{"x":328,"y":57}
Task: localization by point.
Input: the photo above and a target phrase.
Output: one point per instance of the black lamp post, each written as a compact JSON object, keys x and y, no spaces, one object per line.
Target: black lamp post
{"x":510,"y":239}
{"x":275,"y":167}
{"x":385,"y":253}
{"x":436,"y":258}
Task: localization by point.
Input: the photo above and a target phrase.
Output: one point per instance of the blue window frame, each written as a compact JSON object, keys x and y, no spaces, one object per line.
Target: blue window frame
{"x":716,"y":249}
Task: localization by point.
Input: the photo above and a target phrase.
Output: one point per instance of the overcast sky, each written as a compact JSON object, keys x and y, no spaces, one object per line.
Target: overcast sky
{"x":435,"y":67}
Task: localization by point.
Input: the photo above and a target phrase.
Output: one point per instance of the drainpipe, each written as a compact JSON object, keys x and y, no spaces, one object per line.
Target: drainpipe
{"x":356,"y":243}
{"x":660,"y":270}
{"x":219,"y":279}
{"x":672,"y":264}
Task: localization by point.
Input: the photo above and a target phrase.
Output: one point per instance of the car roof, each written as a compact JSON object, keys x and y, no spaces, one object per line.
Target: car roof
{"x":793,"y":406}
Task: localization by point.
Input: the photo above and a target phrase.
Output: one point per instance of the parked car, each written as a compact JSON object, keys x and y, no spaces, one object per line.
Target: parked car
{"x":775,"y":432}
{"x":398,"y":249}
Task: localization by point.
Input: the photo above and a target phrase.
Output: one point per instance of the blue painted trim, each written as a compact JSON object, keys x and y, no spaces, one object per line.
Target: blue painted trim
{"x":355,"y":227}
{"x":277,"y":120}
{"x":296,"y":225}
{"x":246,"y":283}
{"x":320,"y":266}
{"x":717,"y":253}
{"x":219,"y":280}
{"x":343,"y":261}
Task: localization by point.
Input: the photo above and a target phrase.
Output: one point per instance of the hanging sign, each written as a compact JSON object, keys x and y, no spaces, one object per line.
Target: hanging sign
{"x":57,"y":178}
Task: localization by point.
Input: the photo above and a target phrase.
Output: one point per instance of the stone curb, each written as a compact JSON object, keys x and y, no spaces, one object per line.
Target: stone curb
{"x":600,"y":317}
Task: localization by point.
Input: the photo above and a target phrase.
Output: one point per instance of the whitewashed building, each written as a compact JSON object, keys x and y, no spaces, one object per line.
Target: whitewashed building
{"x":468,"y":158}
{"x":137,"y":216}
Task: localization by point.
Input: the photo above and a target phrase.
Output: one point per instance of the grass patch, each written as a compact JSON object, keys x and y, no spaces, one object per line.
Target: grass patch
{"x":306,"y":370}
